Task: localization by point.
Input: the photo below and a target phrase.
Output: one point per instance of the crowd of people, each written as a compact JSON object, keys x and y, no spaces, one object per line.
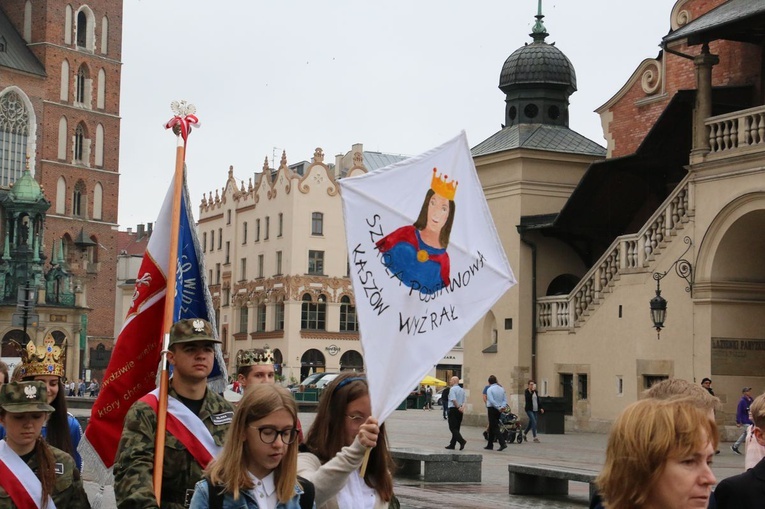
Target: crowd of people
{"x":252,"y":454}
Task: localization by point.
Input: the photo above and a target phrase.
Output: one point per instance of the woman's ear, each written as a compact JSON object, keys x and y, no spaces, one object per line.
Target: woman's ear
{"x":759,"y":436}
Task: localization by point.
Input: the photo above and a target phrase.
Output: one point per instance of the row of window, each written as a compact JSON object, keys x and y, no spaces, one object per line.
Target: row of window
{"x":81,"y":144}
{"x":317,"y":228}
{"x":315,"y":266}
{"x":313,"y":315}
{"x":84,"y":29}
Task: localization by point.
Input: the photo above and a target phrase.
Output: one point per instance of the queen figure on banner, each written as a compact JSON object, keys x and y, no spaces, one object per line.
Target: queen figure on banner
{"x":416,"y":254}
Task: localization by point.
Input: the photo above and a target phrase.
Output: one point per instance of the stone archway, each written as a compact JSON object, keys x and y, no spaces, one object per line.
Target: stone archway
{"x":312,"y":361}
{"x":729,"y":296}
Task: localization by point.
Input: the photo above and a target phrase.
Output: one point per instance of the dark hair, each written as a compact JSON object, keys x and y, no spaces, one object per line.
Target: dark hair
{"x":422,"y":219}
{"x":244,"y":371}
{"x":705,"y":380}
{"x":57,"y":431}
{"x":325,"y":438}
{"x":492,"y":379}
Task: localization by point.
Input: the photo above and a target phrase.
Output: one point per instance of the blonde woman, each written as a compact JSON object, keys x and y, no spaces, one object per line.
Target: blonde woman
{"x":258,"y":465}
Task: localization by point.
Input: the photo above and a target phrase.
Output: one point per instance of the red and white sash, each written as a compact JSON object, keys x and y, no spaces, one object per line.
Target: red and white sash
{"x":18,"y":480}
{"x":187,"y":428}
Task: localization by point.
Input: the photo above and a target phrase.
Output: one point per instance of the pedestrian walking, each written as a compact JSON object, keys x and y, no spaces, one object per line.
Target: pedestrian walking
{"x":428,"y":398}
{"x":496,"y":401}
{"x":742,"y":416}
{"x":445,"y":402}
{"x":533,"y":408}
{"x":456,"y":411}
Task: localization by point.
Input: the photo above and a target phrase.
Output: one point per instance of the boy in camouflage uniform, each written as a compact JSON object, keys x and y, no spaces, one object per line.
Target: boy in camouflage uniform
{"x":191,"y":352}
{"x":31,"y":398}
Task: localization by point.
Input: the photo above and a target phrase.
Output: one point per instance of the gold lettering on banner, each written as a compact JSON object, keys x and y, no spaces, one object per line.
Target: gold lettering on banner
{"x":738,"y":357}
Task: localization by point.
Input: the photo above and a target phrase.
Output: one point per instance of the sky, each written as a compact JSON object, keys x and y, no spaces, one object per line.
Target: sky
{"x":399,"y":76}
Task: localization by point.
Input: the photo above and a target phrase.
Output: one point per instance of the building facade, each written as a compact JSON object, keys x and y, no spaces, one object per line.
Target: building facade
{"x":278,"y":265}
{"x":59,"y":115}
{"x":675,"y":206}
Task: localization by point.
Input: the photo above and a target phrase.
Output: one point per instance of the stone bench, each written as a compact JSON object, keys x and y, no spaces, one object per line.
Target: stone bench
{"x":438,"y":466}
{"x":547,"y":479}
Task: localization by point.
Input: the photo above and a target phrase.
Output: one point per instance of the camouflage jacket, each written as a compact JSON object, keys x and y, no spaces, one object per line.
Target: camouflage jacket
{"x":67,"y":491}
{"x":134,"y":464}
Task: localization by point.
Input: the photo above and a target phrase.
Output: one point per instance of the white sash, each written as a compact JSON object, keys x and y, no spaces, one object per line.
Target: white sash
{"x":197,"y":430}
{"x":22,"y":475}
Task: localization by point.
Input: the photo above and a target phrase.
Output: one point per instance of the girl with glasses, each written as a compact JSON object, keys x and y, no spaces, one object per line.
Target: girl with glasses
{"x":334,"y":449}
{"x":258,"y":465}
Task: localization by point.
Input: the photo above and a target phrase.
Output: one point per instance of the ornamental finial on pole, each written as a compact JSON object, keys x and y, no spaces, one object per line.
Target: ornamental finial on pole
{"x":183,"y":120}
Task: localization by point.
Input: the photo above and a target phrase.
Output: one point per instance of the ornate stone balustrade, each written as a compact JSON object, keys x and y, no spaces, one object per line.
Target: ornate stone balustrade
{"x":628,"y":253}
{"x":738,"y":130}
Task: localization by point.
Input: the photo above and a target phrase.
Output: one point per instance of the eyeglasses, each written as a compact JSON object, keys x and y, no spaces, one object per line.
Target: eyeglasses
{"x":268,"y":434}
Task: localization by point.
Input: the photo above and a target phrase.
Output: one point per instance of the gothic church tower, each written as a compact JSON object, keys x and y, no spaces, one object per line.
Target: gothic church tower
{"x":60,"y":71}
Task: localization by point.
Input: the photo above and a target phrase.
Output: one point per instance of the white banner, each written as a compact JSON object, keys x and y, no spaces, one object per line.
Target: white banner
{"x":425,"y":262}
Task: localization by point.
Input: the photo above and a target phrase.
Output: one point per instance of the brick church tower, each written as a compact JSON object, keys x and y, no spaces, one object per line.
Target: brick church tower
{"x":60,"y":71}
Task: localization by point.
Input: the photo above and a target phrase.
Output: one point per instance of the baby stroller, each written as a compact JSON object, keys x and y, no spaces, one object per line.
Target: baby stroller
{"x":509,"y":426}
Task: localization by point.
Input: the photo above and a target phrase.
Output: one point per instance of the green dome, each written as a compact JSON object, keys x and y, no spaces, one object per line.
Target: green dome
{"x":26,"y":189}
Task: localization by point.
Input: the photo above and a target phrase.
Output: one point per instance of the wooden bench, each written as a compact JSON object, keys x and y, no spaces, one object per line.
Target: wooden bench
{"x":432,"y":466}
{"x":547,"y":479}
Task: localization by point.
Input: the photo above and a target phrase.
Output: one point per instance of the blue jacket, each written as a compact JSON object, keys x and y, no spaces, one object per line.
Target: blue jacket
{"x":201,"y":499}
{"x":742,"y":411}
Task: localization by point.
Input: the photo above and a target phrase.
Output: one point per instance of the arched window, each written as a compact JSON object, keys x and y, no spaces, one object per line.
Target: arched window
{"x":64,"y":95}
{"x":82,"y":29}
{"x":78,"y":199}
{"x":82,"y":87}
{"x":61,"y":196}
{"x":68,"y":25}
{"x":347,"y":315}
{"x":79,"y":143}
{"x":93,"y":250}
{"x":62,"y":128}
{"x":14,"y":136}
{"x":104,"y":35}
{"x":351,"y":360}
{"x":28,"y":21}
{"x":99,"y":146}
{"x":98,"y":199}
{"x":101,"y":92}
{"x":313,"y":316}
{"x":317,"y":223}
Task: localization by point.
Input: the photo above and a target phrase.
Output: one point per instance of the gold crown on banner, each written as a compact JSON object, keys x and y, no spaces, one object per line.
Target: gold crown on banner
{"x":442,"y":187}
{"x":45,"y":359}
{"x":255,"y":357}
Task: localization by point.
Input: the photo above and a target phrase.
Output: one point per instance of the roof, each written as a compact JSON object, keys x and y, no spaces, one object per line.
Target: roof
{"x":131,"y":243}
{"x":537,"y":64}
{"x":374,"y":160}
{"x":17,"y":54}
{"x":735,"y":20}
{"x":552,"y":138}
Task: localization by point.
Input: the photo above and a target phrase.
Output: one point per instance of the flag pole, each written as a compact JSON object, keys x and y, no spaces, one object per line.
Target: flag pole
{"x":181,"y":125}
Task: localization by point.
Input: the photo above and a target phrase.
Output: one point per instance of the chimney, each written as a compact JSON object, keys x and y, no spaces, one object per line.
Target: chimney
{"x":140,"y":231}
{"x":149,"y":228}
{"x":130,"y":230}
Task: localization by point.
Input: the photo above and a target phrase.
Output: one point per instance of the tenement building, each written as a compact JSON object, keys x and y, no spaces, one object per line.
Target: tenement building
{"x":641,"y":260}
{"x":59,"y":119}
{"x":278,"y":265}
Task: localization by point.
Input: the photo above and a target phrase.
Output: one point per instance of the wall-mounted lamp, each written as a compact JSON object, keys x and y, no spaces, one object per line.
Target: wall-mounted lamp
{"x":658,"y":304}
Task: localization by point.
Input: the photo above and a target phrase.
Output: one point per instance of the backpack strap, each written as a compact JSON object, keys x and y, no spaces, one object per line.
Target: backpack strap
{"x":215,"y":495}
{"x":308,"y":496}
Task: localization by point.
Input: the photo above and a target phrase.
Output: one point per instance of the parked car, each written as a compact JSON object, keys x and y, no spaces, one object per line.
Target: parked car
{"x":313,"y":380}
{"x":436,"y":398}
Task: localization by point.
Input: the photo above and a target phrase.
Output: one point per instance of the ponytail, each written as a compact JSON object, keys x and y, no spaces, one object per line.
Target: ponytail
{"x":47,"y":471}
